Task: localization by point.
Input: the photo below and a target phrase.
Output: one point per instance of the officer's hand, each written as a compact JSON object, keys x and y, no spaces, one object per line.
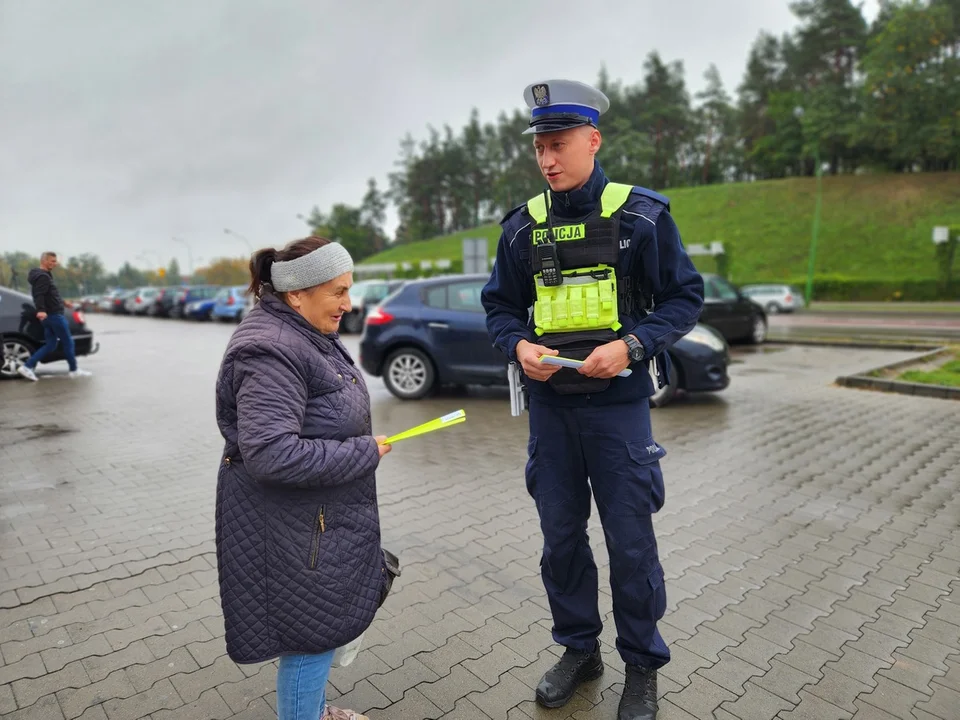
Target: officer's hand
{"x":607,"y":360}
{"x":381,"y":448}
{"x":41,"y":316}
{"x":529,"y":356}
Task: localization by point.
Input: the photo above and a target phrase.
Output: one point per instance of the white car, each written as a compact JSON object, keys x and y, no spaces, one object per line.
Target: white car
{"x":774,"y":298}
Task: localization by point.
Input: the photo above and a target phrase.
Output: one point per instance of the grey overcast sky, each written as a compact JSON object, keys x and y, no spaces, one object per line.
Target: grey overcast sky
{"x":124,"y":123}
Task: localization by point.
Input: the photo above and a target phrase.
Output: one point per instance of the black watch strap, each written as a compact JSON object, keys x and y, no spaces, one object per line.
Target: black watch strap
{"x":634,"y":348}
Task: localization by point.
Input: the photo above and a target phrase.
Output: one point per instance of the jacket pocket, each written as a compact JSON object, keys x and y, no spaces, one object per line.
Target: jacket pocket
{"x":319,"y":528}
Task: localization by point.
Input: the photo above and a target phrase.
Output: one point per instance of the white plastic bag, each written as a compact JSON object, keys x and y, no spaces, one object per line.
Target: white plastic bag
{"x":346,"y":654}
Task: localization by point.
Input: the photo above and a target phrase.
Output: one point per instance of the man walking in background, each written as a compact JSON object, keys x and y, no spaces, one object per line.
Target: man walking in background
{"x":50,"y":307}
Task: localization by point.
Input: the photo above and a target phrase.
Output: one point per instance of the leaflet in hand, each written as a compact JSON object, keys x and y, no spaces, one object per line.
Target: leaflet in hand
{"x":567,"y":362}
{"x":449,"y":420}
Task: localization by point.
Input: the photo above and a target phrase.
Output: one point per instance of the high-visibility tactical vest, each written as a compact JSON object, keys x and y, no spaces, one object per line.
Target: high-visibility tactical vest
{"x":588,"y":251}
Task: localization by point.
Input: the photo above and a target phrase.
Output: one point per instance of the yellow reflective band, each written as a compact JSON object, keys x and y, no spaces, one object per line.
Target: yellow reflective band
{"x":613,"y":198}
{"x":560,"y":233}
{"x":449,"y":420}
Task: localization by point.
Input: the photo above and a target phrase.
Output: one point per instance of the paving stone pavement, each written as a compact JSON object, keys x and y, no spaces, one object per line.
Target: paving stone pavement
{"x":810,"y":540}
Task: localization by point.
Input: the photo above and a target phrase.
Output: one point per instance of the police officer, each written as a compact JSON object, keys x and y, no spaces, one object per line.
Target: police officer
{"x":609,"y":282}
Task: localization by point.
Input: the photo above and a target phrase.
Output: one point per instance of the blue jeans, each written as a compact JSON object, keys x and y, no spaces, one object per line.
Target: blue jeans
{"x":54,"y":328}
{"x":302,"y":686}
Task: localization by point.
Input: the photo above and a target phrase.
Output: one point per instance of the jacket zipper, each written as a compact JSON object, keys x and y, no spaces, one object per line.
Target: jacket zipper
{"x":318,"y":531}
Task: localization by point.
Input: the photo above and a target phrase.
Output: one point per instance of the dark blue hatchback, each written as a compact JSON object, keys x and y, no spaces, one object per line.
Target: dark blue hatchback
{"x":431,"y":333}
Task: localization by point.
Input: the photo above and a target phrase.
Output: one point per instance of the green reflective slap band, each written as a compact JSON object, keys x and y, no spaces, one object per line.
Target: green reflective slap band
{"x":449,"y":420}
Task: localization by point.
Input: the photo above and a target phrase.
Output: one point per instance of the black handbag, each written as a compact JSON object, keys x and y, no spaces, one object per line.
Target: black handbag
{"x":391,"y":571}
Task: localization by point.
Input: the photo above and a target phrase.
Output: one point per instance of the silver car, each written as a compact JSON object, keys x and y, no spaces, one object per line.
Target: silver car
{"x":774,"y":298}
{"x":140,"y":302}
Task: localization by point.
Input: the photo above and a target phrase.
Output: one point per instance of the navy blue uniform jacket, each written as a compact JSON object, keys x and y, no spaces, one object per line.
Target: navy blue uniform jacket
{"x":650,"y":250}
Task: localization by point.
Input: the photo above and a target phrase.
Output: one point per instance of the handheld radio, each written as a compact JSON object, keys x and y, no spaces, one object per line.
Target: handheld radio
{"x":548,"y":254}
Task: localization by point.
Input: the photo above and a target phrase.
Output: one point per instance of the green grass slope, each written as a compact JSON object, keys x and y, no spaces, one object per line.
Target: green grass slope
{"x":875,"y":227}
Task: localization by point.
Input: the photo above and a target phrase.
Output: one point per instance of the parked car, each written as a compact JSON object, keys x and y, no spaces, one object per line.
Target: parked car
{"x":363,"y":295}
{"x":108,"y":299}
{"x":141,"y":300}
{"x":164,"y":300}
{"x":774,"y":298}
{"x":176,"y":303}
{"x":230,"y":303}
{"x":433,"y":332}
{"x":89,"y":303}
{"x":731,"y":313}
{"x":118,"y":302}
{"x":22,"y":334}
{"x":199,"y":309}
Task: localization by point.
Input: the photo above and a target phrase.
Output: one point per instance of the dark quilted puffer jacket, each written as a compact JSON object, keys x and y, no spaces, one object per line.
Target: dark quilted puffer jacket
{"x":298,"y":530}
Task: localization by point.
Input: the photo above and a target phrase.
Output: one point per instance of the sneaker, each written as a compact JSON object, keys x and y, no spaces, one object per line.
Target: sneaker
{"x":562,"y":680}
{"x":80,"y":373}
{"x":332,"y":713}
{"x":27,"y":373}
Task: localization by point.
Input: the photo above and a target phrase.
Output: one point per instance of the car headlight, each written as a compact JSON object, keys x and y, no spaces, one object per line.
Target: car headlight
{"x":705,"y":336}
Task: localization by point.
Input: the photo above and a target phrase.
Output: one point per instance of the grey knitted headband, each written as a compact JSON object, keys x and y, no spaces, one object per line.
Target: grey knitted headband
{"x":315,"y":268}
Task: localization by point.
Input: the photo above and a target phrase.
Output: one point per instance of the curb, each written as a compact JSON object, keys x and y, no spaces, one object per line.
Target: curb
{"x":863,"y":381}
{"x":862,"y":344}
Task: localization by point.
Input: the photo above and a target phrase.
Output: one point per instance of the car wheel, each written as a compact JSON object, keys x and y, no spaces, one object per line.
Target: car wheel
{"x":772,"y":308}
{"x":409,"y":374}
{"x":15,"y":353}
{"x":759,"y":332}
{"x":352,"y":323}
{"x":664,"y":395}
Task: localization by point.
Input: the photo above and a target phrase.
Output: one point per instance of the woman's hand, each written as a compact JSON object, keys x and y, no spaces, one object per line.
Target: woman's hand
{"x":383,"y":449}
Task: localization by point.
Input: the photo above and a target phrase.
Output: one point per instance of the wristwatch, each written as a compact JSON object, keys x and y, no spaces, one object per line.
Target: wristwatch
{"x":634,"y":348}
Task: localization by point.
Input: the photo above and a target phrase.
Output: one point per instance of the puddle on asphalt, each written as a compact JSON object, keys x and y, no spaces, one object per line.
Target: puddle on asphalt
{"x":757,"y":350}
{"x":11,"y":435}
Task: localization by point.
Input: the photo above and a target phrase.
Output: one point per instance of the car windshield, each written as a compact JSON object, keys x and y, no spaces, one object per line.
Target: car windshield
{"x":723,"y":289}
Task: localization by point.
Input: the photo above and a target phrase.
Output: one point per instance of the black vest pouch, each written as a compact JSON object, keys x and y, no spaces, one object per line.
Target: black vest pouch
{"x":576,"y":346}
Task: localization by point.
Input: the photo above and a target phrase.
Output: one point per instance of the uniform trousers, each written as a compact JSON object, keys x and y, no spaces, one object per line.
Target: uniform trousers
{"x":609,"y":450}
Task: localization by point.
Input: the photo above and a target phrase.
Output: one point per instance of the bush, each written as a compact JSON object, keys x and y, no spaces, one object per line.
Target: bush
{"x":841,"y":288}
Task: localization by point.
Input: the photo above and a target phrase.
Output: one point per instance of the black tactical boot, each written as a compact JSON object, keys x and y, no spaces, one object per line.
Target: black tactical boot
{"x":561,"y":681}
{"x":639,"y":701}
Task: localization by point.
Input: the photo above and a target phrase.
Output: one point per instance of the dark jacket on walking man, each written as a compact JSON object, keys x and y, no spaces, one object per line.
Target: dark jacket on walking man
{"x":46,"y":295}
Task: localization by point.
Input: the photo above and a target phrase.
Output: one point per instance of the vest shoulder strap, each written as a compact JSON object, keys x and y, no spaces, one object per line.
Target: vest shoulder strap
{"x":614,"y":197}
{"x":662,"y":199}
{"x":537,"y":208}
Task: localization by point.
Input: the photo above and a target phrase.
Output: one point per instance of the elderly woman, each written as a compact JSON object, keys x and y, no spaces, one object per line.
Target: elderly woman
{"x":301,"y":568}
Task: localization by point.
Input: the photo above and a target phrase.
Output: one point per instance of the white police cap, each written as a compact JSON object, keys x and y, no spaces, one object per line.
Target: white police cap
{"x":563,"y":104}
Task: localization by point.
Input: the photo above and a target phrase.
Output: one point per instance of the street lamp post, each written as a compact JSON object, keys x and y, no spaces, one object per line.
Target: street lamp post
{"x":816,"y":223}
{"x":153,"y":257}
{"x":812,"y":254}
{"x":228,"y":231}
{"x":189,"y":253}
